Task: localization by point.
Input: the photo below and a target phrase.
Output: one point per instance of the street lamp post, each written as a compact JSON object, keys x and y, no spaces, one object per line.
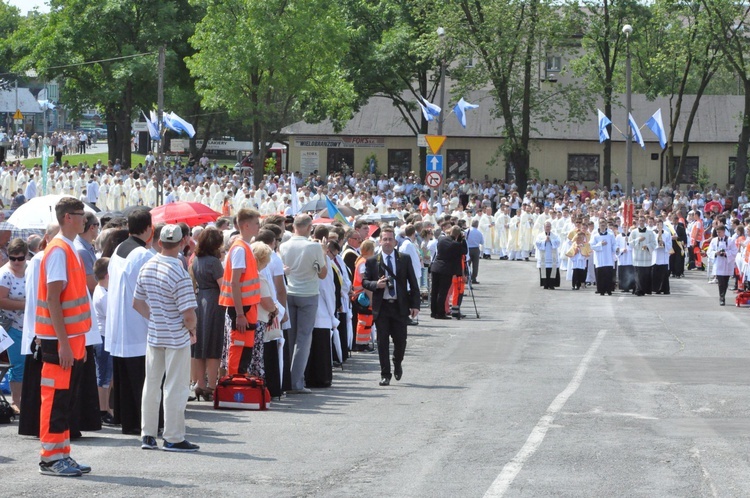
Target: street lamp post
{"x":441,"y":35}
{"x":627,"y":30}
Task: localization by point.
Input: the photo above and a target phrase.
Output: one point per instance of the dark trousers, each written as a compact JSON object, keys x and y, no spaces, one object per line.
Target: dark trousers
{"x":441,"y":284}
{"x":474,"y":257}
{"x":128,"y":377}
{"x":723,"y":281}
{"x":548,"y":280}
{"x":605,"y":279}
{"x":390,"y":323}
{"x":642,"y":280}
{"x":579,"y":277}
{"x":626,"y":277}
{"x":660,"y":278}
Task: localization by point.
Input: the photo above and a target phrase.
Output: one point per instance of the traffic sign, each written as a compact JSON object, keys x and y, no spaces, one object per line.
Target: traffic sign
{"x":421,"y":142}
{"x":435,"y":142}
{"x":18,"y":114}
{"x":434,"y":163}
{"x":18,"y":121}
{"x":433,"y":179}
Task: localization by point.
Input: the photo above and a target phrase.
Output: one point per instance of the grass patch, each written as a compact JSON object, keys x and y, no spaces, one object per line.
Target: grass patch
{"x":76,"y":159}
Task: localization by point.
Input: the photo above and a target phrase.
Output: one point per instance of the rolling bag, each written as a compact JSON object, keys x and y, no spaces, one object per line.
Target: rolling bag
{"x":240,"y":392}
{"x":742,"y":300}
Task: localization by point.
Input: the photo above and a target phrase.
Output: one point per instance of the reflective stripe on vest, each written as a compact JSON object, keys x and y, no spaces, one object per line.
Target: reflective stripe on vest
{"x":74,"y":298}
{"x":249,"y":280}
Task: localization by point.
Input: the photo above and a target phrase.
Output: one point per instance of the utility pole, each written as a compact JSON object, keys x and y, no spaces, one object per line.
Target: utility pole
{"x":441,"y":35}
{"x":160,"y":127}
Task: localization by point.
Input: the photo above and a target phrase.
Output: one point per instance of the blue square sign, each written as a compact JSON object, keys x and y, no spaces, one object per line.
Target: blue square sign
{"x":435,"y":163}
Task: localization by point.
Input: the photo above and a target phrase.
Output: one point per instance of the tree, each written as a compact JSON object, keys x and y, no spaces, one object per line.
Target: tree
{"x":507,"y":40}
{"x":272,"y":62}
{"x":10,"y":20}
{"x":104,"y":53}
{"x":728,"y":26}
{"x":394,"y":55}
{"x":677,"y":56}
{"x":599,"y":63}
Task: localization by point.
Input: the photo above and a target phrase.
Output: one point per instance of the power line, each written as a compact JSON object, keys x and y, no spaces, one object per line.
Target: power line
{"x":103,"y":60}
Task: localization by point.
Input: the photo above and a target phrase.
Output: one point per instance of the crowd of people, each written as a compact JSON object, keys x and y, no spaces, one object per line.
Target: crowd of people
{"x":110,"y":323}
{"x":25,"y":145}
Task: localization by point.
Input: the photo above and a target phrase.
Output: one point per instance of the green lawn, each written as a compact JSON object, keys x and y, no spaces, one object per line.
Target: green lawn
{"x":90,"y":159}
{"x":75,"y":159}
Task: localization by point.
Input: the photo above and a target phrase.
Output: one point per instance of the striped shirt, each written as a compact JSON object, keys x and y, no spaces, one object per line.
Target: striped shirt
{"x":165,"y":285}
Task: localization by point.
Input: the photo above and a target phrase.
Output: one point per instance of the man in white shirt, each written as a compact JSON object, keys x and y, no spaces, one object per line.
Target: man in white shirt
{"x":409,"y":246}
{"x":126,"y":330}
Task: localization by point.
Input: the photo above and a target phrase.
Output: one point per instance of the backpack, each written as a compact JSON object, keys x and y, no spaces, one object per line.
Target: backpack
{"x":6,"y":412}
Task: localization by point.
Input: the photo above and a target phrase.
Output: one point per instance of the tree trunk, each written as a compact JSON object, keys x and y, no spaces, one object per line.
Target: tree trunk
{"x":519,"y":158}
{"x":740,"y":171}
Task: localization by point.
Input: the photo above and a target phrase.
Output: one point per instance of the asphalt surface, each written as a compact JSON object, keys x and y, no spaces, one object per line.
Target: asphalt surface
{"x":550,"y":393}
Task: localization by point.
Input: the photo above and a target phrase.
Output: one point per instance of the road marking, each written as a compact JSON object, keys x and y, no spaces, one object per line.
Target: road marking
{"x":512,"y":468}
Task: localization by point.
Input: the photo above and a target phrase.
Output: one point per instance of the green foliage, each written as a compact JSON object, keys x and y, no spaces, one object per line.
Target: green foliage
{"x":271,"y":63}
{"x":366,"y":165}
{"x":704,"y":178}
{"x":270,"y":166}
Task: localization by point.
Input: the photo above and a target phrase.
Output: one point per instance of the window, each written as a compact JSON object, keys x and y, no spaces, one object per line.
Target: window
{"x":340,"y":160}
{"x":689,"y":173}
{"x":554,"y":63}
{"x":459,"y":163}
{"x":583,"y":167}
{"x":399,"y":162}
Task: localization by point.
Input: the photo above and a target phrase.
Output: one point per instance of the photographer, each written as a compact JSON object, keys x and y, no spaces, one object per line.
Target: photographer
{"x":451,"y":249}
{"x":722,"y":251}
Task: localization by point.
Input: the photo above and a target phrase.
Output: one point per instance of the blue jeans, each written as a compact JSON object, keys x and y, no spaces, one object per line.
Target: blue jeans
{"x":17,"y":360}
{"x":103,"y":365}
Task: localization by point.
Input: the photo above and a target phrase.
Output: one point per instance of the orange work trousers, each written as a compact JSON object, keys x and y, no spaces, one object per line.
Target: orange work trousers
{"x":364,"y":327}
{"x":241,"y":344}
{"x":58,"y":388}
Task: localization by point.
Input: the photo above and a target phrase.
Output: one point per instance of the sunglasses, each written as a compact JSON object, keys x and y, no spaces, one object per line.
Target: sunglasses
{"x":17,"y":258}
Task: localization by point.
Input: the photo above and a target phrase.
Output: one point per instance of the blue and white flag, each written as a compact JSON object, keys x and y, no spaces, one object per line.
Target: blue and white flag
{"x":153,"y":131}
{"x":636,"y":132}
{"x":46,"y":105}
{"x":460,"y":111}
{"x":656,"y":125}
{"x":604,"y":121}
{"x":180,"y":125}
{"x":429,"y":110}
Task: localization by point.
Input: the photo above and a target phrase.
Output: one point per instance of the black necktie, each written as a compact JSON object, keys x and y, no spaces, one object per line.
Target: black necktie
{"x":390,"y":268}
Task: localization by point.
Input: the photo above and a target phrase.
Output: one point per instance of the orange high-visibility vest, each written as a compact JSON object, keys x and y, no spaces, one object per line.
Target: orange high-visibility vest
{"x":74,"y":297}
{"x":249,"y":281}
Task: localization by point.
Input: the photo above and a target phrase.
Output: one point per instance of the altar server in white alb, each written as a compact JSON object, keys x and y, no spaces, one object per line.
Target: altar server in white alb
{"x":126,"y":330}
{"x":722,"y":252}
{"x":604,"y":247}
{"x":547,"y":244}
{"x":660,"y":269}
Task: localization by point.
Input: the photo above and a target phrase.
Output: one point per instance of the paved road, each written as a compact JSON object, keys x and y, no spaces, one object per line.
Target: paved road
{"x":550,"y":393}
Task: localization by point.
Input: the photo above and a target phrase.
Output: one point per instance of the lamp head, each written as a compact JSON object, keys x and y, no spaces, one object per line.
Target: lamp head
{"x":627,"y":30}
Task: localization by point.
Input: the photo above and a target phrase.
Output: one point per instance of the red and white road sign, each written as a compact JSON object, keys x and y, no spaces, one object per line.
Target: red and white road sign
{"x":433,"y":179}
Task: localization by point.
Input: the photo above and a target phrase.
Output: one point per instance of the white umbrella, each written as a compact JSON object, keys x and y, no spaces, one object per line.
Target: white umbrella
{"x":38,"y":212}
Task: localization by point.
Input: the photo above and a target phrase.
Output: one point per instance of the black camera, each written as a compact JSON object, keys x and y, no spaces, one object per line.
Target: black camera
{"x":390,"y":283}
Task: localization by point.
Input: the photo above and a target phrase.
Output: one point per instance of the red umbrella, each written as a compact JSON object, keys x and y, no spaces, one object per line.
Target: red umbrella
{"x":322,"y":221}
{"x":192,"y":213}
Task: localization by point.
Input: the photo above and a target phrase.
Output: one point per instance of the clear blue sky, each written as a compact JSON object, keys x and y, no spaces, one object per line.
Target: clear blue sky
{"x":27,"y":5}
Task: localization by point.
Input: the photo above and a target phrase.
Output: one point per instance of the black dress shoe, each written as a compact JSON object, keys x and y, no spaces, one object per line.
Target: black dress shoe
{"x":722,"y":302}
{"x":397,"y":370}
{"x":385,"y":381}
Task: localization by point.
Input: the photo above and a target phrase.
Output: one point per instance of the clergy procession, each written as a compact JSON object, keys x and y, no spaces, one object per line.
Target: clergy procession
{"x":122,"y":313}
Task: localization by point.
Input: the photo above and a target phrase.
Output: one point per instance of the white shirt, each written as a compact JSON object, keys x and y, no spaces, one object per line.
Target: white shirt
{"x":126,"y":330}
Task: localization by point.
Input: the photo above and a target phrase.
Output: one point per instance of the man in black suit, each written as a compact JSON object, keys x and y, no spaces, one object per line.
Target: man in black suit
{"x":387,"y":275}
{"x":451,"y":249}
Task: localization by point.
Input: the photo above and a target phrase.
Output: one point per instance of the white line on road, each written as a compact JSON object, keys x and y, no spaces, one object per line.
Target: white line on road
{"x":512,"y":468}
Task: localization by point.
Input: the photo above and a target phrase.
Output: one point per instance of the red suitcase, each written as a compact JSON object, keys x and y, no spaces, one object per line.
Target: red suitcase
{"x":240,"y":392}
